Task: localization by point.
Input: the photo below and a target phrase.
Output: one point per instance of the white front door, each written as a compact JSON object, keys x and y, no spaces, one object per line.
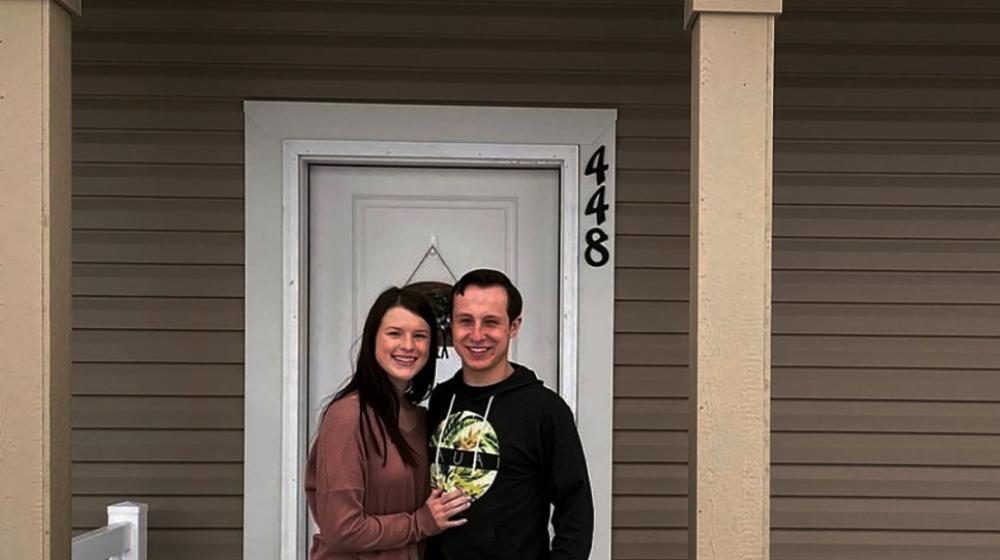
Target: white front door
{"x":306,"y":298}
{"x":371,"y":227}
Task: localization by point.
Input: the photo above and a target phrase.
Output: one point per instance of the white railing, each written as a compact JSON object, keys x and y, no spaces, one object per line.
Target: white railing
{"x":123,"y":538}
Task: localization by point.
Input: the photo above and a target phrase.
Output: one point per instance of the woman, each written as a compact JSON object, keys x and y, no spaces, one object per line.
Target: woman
{"x":367,"y":480}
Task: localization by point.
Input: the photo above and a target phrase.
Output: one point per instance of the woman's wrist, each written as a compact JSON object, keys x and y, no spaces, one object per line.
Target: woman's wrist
{"x":425,"y":522}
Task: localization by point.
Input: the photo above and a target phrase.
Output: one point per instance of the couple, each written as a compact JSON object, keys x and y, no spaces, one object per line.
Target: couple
{"x":503,"y":449}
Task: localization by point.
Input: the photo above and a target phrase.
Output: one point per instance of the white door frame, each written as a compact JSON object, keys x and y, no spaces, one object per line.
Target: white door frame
{"x":282,"y":140}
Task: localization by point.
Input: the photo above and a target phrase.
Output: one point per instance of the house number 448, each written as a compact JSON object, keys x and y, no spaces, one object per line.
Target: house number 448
{"x":596,"y":254}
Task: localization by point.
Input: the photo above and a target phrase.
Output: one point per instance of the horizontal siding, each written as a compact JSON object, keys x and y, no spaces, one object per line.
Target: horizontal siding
{"x":156,"y":346}
{"x":157,"y":379}
{"x":208,"y":512}
{"x":149,"y":412}
{"x":847,"y":416}
{"x":829,"y":318}
{"x":102,"y":479}
{"x":156,"y":247}
{"x":116,"y":213}
{"x":157,"y":281}
{"x":175,"y":313}
{"x":115,"y":178}
{"x":849,"y":481}
{"x":156,"y":446}
{"x":844,"y":351}
{"x":881,"y":544}
{"x":885,"y":390}
{"x":878,"y":384}
{"x":221,"y":544}
{"x":830,"y":286}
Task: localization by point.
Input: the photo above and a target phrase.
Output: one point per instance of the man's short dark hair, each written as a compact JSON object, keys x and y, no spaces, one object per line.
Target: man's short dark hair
{"x":486,"y":278}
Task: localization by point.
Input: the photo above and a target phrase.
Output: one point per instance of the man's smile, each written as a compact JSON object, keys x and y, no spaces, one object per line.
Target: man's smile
{"x":479,"y":351}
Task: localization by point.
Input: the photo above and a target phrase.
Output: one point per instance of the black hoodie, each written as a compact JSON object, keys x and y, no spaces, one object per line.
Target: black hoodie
{"x":522,"y":440}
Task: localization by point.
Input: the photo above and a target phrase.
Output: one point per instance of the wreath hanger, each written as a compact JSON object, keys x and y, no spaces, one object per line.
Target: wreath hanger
{"x":432,"y":251}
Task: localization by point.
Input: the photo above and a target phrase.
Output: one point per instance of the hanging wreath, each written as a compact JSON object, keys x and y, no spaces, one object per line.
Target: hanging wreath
{"x":438,"y":294}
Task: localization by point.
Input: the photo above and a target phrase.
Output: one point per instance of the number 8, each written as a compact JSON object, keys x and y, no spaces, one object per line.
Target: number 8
{"x":595,"y":242}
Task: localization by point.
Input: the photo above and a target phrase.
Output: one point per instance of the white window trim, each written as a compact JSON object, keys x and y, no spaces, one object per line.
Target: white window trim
{"x":282,"y":139}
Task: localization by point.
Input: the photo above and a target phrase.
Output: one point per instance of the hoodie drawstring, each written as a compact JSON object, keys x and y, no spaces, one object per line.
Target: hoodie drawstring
{"x":482,"y":428}
{"x":444,"y":429}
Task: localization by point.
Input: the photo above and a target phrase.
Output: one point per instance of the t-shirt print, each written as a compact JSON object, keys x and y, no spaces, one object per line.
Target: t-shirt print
{"x":468,"y":456}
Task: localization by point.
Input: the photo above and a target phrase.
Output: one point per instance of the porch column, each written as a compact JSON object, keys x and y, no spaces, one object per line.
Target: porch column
{"x":730,"y":354}
{"x":35,"y":278}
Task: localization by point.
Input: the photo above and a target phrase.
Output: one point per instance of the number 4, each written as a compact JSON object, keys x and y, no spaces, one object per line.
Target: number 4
{"x":597,"y":166}
{"x":596,"y":205}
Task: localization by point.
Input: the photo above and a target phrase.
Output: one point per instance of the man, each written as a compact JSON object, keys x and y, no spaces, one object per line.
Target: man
{"x":505,"y":439}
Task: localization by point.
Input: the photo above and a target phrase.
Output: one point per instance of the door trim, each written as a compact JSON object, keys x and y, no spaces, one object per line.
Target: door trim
{"x":282,"y":141}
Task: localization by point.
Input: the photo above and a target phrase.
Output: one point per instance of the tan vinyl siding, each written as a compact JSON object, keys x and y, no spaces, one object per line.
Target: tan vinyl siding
{"x":886,"y":280}
{"x":886,"y":380}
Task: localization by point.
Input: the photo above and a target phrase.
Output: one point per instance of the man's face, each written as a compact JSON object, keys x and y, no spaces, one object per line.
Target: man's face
{"x":481,"y":330}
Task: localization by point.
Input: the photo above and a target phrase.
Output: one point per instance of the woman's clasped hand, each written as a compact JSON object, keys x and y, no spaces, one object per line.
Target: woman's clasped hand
{"x":444,"y":506}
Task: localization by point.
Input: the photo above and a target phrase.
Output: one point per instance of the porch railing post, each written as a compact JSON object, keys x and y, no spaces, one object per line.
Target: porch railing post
{"x":135,"y":515}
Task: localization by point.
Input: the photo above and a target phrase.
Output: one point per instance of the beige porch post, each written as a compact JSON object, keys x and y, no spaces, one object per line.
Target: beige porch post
{"x":34,"y":278}
{"x":732,"y":85}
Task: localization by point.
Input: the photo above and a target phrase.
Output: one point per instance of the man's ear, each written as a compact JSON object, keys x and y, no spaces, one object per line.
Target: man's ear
{"x":515,"y":326}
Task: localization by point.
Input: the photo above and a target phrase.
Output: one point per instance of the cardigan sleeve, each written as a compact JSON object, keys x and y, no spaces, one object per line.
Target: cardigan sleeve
{"x":340,"y":491}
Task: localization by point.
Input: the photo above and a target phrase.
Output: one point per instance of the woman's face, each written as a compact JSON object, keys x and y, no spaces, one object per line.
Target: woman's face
{"x":402,"y":345}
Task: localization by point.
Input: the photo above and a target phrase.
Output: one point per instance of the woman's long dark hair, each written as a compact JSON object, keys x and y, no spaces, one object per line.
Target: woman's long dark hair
{"x":372,"y":384}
